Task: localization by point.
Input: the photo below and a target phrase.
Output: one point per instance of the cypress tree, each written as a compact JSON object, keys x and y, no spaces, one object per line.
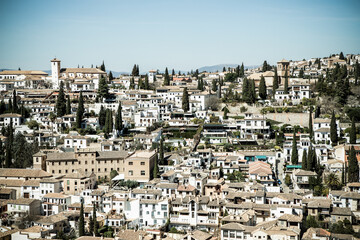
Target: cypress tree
{"x":173,"y":72}
{"x":133,"y":72}
{"x":68,"y":105}
{"x":252,"y":92}
{"x":185,"y":100}
{"x":102,"y":117}
{"x":219,"y":91}
{"x":166,"y":78}
{"x":132,"y":83}
{"x":95,"y":223}
{"x":2,"y":107}
{"x":10,"y":107}
{"x":102,"y":67}
{"x":242,"y":70}
{"x":286,"y":83}
{"x":146,"y":83}
{"x":8,"y":154}
{"x":353,"y":170}
{"x":238,"y":71}
{"x":246,"y":90}
{"x":213,"y":85}
{"x":81,"y":221}
{"x":309,"y":164}
{"x":137,"y":70}
{"x":275,"y":82}
{"x":80,"y":111}
{"x":294,"y":152}
{"x":110,"y":76}
{"x":118,"y":119}
{"x":15,"y":106}
{"x":353,"y":132}
{"x":156,"y":169}
{"x":333,"y":130}
{"x":304,"y":160}
{"x":341,"y":56}
{"x":2,"y":154}
{"x":224,"y":69}
{"x":91,"y":226}
{"x":60,"y":102}
{"x":311,"y":131}
{"x":103,"y":91}
{"x":226,"y":111}
{"x":262,"y":88}
{"x":161,"y":152}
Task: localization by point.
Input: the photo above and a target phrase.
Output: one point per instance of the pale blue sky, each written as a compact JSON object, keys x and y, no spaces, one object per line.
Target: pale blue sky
{"x":184,"y":35}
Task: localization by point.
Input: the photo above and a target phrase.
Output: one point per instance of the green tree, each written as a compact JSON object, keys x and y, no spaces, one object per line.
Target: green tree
{"x":275,"y":82}
{"x":102,"y":67}
{"x":15,"y":105}
{"x":33,"y":124}
{"x":134,"y":70}
{"x":353,"y":132}
{"x":111,"y":77}
{"x":146,"y":83}
{"x":113,"y":174}
{"x":353,"y":170}
{"x":95,"y":222}
{"x":80,"y":111}
{"x":161,"y":152}
{"x":294,"y":152}
{"x":252,"y":95}
{"x":226,"y":111}
{"x":304,"y":160}
{"x":332,"y":181}
{"x":81,"y":221}
{"x":60,"y":102}
{"x":103,"y":91}
{"x":262,"y":88}
{"x":91,"y":225}
{"x":156,"y":169}
{"x":2,"y":107}
{"x":22,"y":151}
{"x":311,"y":222}
{"x":341,"y":56}
{"x":288,"y":181}
{"x":68,"y":105}
{"x":185,"y":100}
{"x":166,"y":77}
{"x":132,"y":83}
{"x":311,"y":131}
{"x":214,"y":85}
{"x":242,"y":70}
{"x":333,"y":130}
{"x":221,"y":172}
{"x":2,"y":154}
{"x":8,"y":154}
{"x":108,"y":122}
{"x":102,"y":117}
{"x":286,"y":83}
{"x":118,"y":119}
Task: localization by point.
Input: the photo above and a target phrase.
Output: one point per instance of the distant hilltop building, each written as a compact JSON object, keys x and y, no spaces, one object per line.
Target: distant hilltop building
{"x":282,"y":68}
{"x":75,"y":74}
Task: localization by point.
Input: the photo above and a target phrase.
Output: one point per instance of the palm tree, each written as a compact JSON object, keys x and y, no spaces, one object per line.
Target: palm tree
{"x":332,"y":181}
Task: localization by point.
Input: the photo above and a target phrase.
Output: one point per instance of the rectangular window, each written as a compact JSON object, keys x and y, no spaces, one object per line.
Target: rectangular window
{"x":130,"y":173}
{"x":130,"y":163}
{"x":142,"y":173}
{"x":142,"y":163}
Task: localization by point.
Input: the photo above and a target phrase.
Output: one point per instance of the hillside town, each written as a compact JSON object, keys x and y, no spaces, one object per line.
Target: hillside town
{"x":270,"y":152}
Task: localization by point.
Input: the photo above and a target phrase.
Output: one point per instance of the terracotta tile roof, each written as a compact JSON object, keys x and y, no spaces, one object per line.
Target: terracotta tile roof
{"x":23,"y":173}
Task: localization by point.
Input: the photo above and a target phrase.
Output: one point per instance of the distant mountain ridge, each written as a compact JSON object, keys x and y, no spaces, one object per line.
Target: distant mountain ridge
{"x":213,"y":68}
{"x":219,"y":67}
